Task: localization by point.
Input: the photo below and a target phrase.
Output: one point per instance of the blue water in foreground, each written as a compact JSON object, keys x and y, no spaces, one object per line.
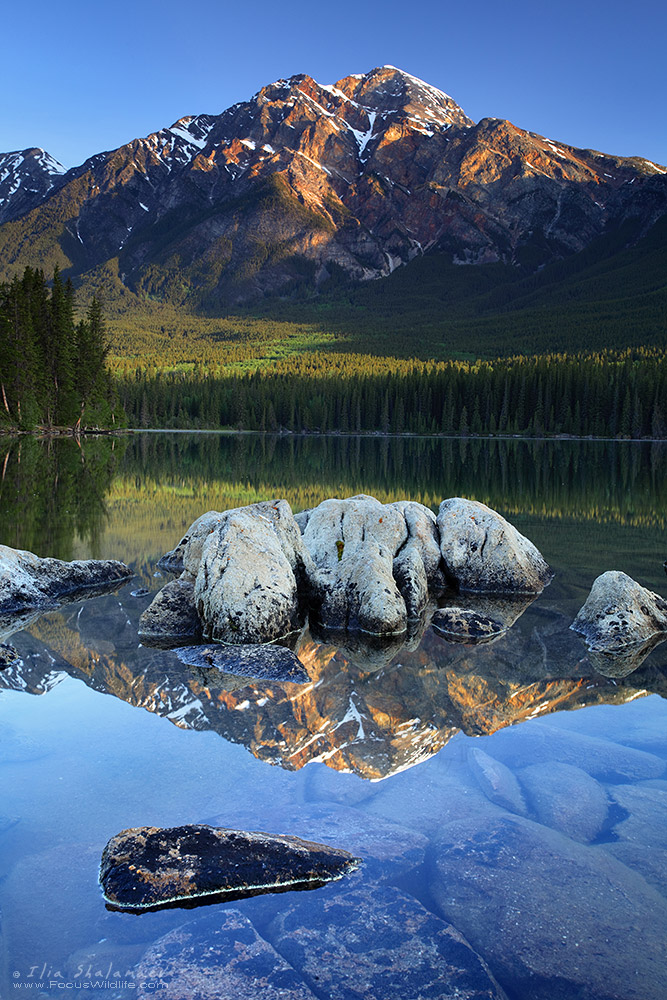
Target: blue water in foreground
{"x":509,"y":802}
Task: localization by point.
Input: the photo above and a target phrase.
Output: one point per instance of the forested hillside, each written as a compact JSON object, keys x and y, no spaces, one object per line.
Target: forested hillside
{"x":607,"y":394}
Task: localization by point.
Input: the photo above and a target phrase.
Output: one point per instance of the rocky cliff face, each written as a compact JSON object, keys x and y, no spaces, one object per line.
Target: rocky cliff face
{"x":363,"y":175}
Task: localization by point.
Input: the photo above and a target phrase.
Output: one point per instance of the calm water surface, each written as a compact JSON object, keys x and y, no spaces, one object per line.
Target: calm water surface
{"x":509,"y":800}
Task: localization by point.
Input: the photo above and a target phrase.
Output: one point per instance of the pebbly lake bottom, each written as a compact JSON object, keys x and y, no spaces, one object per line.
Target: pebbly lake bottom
{"x":509,"y":801}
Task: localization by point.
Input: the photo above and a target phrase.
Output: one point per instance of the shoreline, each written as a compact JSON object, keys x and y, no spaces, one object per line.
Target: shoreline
{"x":60,"y":433}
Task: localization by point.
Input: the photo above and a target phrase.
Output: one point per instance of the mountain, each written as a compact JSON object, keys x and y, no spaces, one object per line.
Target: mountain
{"x":26,"y":177}
{"x":304,"y":180}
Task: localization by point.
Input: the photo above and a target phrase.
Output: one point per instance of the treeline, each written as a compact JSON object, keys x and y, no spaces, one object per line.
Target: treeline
{"x":52,"y":367}
{"x":609,"y":394}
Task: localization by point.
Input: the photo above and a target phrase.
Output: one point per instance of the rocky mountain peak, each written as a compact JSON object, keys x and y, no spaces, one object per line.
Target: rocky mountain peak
{"x":303,"y":178}
{"x":388,"y":90}
{"x":26,"y":176}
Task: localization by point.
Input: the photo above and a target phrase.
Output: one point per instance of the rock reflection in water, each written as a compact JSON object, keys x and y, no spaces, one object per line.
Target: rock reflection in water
{"x":370,"y":706}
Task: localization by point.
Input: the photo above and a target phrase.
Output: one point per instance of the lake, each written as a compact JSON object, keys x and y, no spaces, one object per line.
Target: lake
{"x":508,"y":800}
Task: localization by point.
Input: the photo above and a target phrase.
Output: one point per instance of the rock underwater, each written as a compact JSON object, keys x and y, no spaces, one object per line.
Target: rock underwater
{"x":253,"y":574}
{"x":149,"y":867}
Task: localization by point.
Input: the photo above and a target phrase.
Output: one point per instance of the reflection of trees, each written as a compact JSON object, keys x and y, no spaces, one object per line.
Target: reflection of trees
{"x":53,"y":491}
{"x":603,"y":480}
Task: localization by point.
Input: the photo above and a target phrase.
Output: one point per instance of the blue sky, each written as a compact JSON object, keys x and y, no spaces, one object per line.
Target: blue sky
{"x":80,"y":77}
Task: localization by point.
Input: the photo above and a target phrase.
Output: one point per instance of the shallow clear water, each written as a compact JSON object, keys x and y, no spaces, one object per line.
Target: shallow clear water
{"x":509,"y":800}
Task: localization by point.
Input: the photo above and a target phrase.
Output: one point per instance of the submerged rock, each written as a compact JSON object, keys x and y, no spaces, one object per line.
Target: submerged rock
{"x":566,"y":798}
{"x":553,"y":918}
{"x":538,"y":742}
{"x":481,"y":551}
{"x":147,"y":867}
{"x":220,"y":958}
{"x":645,"y":821}
{"x":461,"y":625}
{"x":379,"y":943}
{"x":353,"y":544}
{"x":388,"y":849}
{"x":620,"y":612}
{"x":497,"y":782}
{"x":26,"y":581}
{"x":261,"y":662}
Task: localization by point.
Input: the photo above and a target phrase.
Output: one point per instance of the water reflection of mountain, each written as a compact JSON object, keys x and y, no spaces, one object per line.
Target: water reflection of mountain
{"x":367,"y":711}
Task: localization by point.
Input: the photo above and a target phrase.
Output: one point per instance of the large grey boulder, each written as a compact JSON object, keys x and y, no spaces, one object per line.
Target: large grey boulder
{"x":483,"y":552}
{"x":353,"y":544}
{"x":620,"y":612}
{"x":417,"y":565}
{"x":26,"y":581}
{"x":173,"y":561}
{"x":246,"y":586}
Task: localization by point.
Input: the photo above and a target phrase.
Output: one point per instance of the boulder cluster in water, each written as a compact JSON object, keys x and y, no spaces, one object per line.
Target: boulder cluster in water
{"x":252,"y":574}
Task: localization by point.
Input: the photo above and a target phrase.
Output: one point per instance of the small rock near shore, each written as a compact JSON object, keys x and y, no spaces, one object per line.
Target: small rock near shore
{"x":620,"y":612}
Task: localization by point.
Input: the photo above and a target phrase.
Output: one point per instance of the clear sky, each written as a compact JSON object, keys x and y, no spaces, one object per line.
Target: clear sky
{"x":78,"y":77}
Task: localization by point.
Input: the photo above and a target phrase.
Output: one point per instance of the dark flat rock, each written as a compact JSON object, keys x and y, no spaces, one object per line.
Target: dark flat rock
{"x":147,"y":867}
{"x":378,"y":943}
{"x":225,"y":959}
{"x":271,"y":663}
